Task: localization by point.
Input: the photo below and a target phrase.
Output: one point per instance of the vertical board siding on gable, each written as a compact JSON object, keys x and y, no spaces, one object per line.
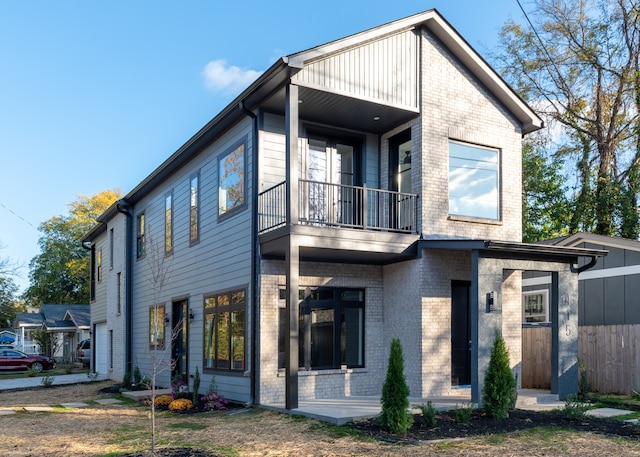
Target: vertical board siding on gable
{"x":385,"y":70}
{"x":221,"y":260}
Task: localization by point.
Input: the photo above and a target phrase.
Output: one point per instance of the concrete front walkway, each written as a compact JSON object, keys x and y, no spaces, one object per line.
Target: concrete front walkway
{"x":342,"y":410}
{"x":36,"y":381}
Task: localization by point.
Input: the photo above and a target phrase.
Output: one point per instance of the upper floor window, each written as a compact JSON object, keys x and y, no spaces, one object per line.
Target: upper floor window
{"x":194,"y":208}
{"x":231,"y":186}
{"x":92,"y":284}
{"x":99,"y":265}
{"x":473,"y":181}
{"x":111,"y":247}
{"x":140,"y":236}
{"x":168,"y":223}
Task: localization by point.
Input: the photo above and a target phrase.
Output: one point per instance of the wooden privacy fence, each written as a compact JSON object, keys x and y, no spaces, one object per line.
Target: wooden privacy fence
{"x":609,"y":354}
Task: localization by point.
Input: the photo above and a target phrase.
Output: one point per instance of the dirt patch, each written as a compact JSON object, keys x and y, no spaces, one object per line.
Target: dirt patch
{"x":124,"y":430}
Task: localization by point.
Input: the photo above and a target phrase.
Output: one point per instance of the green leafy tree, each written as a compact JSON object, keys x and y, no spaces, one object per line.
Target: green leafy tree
{"x":395,"y":417}
{"x":59,"y":274}
{"x":10,"y":305}
{"x":578,"y":66}
{"x":498,"y":393}
{"x":546,"y":208}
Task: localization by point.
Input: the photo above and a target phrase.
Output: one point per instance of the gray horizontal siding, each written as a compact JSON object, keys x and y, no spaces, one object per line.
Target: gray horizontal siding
{"x":220,"y":260}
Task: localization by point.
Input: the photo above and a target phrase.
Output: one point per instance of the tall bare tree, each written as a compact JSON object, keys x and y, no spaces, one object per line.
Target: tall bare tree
{"x":577,"y":63}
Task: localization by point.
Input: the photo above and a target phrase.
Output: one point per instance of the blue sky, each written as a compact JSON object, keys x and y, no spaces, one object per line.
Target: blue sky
{"x":95,"y":95}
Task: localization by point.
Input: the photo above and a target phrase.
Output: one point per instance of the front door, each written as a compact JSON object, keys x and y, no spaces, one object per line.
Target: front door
{"x":331,"y":170}
{"x":460,"y":334}
{"x":180,"y":340}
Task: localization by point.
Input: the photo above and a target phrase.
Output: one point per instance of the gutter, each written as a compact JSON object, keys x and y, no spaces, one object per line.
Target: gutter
{"x":254,"y":250}
{"x":124,"y":207}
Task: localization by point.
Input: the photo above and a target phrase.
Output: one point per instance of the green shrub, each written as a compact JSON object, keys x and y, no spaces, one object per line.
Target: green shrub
{"x":47,"y":381}
{"x":462,"y":413}
{"x":584,"y":386}
{"x":395,"y":394}
{"x":575,"y":408}
{"x":428,"y":414}
{"x":499,"y":382}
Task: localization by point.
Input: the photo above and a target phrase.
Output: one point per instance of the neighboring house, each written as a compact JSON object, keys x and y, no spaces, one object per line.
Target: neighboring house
{"x":362,"y":190}
{"x":608,"y":311}
{"x":7,"y":337}
{"x":68,"y":324}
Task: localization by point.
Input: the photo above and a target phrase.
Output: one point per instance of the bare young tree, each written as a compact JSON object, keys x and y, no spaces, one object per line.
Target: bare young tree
{"x":160,"y":347}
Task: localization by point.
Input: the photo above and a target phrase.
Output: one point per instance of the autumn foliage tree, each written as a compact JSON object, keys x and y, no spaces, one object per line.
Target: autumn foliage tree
{"x":576,"y":62}
{"x":60,"y":273}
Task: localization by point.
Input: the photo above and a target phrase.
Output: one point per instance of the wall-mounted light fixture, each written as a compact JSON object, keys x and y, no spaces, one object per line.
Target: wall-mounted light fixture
{"x":167,"y":320}
{"x":491,"y":301}
{"x":191,"y":315}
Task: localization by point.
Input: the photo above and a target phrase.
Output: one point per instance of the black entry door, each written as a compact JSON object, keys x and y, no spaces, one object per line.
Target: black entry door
{"x":179,"y":340}
{"x":460,"y":334}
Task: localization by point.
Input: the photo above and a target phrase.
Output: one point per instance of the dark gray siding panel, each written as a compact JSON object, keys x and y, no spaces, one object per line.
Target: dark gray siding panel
{"x":613,"y":303}
{"x":632,"y":258}
{"x":615,"y":258}
{"x":593,"y":296}
{"x":632,"y":299}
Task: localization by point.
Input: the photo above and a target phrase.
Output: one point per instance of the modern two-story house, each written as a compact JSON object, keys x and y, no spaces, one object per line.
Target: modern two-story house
{"x":365,"y":189}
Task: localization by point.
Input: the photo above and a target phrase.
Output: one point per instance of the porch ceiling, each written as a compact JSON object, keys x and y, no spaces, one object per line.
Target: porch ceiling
{"x":342,"y":111}
{"x":340,"y":245}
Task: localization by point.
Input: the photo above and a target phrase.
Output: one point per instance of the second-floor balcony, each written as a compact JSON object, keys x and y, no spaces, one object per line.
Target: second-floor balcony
{"x":339,"y":223}
{"x":323,"y":204}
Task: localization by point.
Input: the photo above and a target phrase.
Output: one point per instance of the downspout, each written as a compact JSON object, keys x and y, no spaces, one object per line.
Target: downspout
{"x":584,"y":267}
{"x":123,"y":207}
{"x":88,"y":246}
{"x":254,"y":251}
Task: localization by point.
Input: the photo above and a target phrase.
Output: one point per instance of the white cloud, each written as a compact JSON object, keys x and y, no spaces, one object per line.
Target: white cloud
{"x":219,"y":76}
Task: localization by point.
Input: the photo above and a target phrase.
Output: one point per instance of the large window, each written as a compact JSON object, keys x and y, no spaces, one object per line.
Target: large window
{"x":140,"y":236}
{"x":156,"y":326}
{"x":331,"y":329}
{"x":231,"y":180}
{"x":194,"y":208}
{"x":168,"y":223}
{"x":473,"y":181}
{"x":224,"y":331}
{"x":99,"y":265}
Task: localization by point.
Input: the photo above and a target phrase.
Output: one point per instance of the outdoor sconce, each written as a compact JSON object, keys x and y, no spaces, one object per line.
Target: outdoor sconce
{"x":167,"y":320}
{"x":191,"y":315}
{"x":491,"y":306}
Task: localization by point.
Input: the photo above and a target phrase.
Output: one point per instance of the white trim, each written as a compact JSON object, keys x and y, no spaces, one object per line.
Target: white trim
{"x":537,"y":281}
{"x":610,"y":272}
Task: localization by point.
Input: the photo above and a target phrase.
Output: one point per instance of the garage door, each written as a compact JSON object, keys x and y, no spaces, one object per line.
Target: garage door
{"x":101,"y":348}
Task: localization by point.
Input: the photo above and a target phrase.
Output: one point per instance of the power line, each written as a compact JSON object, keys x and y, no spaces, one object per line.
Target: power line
{"x":18,"y":216}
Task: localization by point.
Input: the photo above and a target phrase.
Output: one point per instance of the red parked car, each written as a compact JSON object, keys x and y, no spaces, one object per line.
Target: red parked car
{"x":10,"y":359}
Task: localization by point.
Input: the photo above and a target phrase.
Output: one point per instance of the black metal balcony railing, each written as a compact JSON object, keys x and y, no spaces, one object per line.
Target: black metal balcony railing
{"x":336,"y":205}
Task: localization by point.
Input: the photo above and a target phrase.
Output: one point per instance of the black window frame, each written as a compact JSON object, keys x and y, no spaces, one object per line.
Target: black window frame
{"x":215,"y":306}
{"x":140,"y":235}
{"x":229,"y":211}
{"x":194,"y":208}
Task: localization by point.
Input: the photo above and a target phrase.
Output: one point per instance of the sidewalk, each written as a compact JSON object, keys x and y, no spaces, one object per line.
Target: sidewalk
{"x":25,"y":383}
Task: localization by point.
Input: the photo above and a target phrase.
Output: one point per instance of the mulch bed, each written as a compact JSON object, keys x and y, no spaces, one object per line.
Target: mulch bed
{"x":519,"y":420}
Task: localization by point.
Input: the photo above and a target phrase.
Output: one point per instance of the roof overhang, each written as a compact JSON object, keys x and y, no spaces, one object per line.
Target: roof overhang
{"x":515,"y":250}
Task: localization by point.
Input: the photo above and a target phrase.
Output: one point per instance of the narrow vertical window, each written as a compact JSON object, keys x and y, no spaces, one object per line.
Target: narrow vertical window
{"x":92,"y":286}
{"x":99,"y":265}
{"x":231,"y":185}
{"x":140,"y":236}
{"x":168,"y":223}
{"x":111,"y":248}
{"x":194,"y":208}
{"x":119,"y":299}
{"x":156,"y":326}
{"x":111,"y":349}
